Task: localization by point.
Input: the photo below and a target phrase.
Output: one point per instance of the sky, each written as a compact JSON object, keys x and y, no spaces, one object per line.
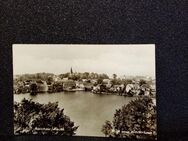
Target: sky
{"x":130,"y":60}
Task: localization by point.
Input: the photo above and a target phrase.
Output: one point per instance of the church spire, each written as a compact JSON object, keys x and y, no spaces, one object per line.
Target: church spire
{"x":71,"y":71}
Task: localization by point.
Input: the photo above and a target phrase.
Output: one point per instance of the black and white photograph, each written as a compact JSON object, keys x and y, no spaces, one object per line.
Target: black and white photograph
{"x":99,"y":90}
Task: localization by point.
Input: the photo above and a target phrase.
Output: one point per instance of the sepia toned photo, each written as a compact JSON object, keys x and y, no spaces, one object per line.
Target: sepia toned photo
{"x":85,"y":90}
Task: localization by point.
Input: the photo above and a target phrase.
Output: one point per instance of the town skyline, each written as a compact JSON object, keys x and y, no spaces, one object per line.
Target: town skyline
{"x":123,"y":60}
{"x":75,"y":72}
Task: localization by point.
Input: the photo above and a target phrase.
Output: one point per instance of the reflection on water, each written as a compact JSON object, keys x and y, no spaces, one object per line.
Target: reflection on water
{"x":88,"y":111}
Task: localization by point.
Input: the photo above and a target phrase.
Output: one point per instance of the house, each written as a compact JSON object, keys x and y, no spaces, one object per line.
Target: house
{"x":41,"y":86}
{"x":94,"y":81}
{"x":153,"y":90}
{"x":84,"y":80}
{"x":96,"y":89}
{"x":88,"y":86}
{"x":99,"y":88}
{"x":56,"y":78}
{"x":106,"y":81}
{"x":129,"y":87}
{"x":65,"y":79}
{"x":136,"y":89}
{"x":109,"y":85}
{"x":145,"y":88}
{"x":69,"y":84}
{"x":27,"y":82}
{"x":80,"y":85}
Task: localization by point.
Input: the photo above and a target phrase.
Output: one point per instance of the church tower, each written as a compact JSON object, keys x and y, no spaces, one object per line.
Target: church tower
{"x":71,"y":71}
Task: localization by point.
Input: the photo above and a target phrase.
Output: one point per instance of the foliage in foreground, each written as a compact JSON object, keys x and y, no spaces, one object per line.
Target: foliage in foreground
{"x":35,"y":118}
{"x":134,"y":120}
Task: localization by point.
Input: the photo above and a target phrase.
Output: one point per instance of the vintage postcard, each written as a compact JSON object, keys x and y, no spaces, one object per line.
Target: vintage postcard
{"x":85,"y":90}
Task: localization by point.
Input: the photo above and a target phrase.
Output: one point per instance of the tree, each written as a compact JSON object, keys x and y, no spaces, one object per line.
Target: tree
{"x":33,"y":89}
{"x":103,"y":76}
{"x":107,"y":128}
{"x":50,"y":80}
{"x":137,"y":116}
{"x":126,"y":81}
{"x":142,"y":82}
{"x":65,"y":75}
{"x":57,"y":87}
{"x":92,"y":75}
{"x":99,"y":81}
{"x":42,"y":119}
{"x":85,"y":75}
{"x":114,"y":76}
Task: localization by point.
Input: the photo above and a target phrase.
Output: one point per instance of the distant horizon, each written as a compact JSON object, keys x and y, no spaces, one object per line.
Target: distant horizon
{"x":88,"y":72}
{"x":123,"y":60}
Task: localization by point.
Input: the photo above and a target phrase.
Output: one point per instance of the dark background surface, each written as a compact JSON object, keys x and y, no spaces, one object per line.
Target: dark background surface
{"x":102,"y":22}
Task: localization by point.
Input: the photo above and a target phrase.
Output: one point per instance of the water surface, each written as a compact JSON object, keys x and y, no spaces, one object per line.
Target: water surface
{"x":89,"y":111}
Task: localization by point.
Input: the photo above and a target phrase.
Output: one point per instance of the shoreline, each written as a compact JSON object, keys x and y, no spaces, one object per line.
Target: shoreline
{"x":101,"y":93}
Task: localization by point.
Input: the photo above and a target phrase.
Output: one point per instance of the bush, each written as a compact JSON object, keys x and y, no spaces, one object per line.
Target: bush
{"x":45,"y":119}
{"x":107,"y":128}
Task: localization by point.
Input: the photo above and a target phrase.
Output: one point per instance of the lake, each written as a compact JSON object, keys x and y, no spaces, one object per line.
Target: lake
{"x":89,"y":111}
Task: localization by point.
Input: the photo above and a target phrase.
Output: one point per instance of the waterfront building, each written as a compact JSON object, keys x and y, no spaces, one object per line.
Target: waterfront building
{"x":80,"y":85}
{"x":129,"y":87}
{"x":146,"y":89}
{"x":69,"y":84}
{"x":88,"y":85}
{"x":41,"y":86}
